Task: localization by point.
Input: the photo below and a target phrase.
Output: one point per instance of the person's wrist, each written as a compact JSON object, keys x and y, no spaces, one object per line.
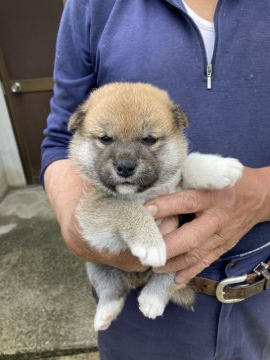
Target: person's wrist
{"x":255,"y":188}
{"x":264,"y":190}
{"x":63,"y":188}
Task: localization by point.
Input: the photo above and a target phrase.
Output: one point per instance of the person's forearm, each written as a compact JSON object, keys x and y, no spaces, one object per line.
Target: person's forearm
{"x":64,"y":188}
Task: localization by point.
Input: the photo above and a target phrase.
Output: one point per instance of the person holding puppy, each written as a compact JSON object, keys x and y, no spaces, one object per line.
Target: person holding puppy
{"x":203,"y":55}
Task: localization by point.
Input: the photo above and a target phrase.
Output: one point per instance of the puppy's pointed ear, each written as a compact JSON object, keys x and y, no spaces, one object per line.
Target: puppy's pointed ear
{"x":77,"y":118}
{"x":179,"y":116}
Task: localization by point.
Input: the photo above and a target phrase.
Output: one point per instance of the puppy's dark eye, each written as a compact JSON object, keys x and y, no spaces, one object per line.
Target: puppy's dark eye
{"x":106,"y":140}
{"x":149,"y":140}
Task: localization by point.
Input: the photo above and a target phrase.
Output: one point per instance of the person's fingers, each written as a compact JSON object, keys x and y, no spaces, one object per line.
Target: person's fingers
{"x":194,"y":256}
{"x":124,"y":261}
{"x":189,"y":273}
{"x":168,"y":225}
{"x":192,"y":235}
{"x":182,"y":261}
{"x":80,"y":248}
{"x":184,"y":202}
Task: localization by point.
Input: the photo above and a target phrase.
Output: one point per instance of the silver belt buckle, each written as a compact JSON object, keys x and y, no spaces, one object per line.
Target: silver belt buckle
{"x":229,"y":281}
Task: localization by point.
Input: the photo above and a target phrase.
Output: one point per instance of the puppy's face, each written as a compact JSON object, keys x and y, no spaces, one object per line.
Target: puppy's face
{"x":128,"y":138}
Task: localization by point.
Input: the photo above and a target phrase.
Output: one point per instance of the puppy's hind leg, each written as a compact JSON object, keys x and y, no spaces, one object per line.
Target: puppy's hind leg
{"x":156,"y":294}
{"x":111,"y":289}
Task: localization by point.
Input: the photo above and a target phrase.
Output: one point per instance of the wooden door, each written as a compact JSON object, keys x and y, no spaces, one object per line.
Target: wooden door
{"x":28,"y":30}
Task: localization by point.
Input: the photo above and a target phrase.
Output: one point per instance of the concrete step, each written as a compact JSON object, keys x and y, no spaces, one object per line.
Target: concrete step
{"x":46,"y":302}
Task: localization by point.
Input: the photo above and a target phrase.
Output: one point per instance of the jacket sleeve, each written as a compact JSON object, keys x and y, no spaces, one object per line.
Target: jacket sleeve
{"x":73,"y":76}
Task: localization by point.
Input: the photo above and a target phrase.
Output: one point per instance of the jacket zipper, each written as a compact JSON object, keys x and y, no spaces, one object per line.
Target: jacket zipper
{"x":209,"y":72}
{"x":208,"y":68}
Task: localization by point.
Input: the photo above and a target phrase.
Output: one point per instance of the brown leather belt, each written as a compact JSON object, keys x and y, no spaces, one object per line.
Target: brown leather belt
{"x":250,"y":284}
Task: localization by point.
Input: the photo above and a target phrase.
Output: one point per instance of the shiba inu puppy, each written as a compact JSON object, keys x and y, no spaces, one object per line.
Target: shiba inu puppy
{"x":129,"y":142}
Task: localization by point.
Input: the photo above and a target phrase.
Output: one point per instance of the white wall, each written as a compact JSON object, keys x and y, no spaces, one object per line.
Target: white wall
{"x":3,"y":179}
{"x":11,"y":171}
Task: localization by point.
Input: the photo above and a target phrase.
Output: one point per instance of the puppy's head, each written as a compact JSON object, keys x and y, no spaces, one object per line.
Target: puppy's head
{"x":128,"y":138}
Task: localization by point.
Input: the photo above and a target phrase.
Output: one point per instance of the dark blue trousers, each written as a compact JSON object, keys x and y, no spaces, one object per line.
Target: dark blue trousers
{"x":214,"y":331}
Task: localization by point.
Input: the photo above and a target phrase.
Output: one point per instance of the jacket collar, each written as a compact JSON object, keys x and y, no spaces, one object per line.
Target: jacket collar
{"x":178,"y":4}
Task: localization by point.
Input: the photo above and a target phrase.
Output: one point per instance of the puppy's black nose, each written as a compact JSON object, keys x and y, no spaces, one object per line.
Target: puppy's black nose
{"x":125,"y":168}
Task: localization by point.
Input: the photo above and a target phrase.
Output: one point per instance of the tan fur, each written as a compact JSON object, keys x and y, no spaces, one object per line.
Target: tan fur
{"x":126,"y":111}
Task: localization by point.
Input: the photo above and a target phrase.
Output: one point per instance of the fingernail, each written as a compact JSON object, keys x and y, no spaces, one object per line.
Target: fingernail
{"x":153,"y":209}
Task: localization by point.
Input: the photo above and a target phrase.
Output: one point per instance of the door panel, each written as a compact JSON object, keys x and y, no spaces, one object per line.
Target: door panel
{"x":28,"y":31}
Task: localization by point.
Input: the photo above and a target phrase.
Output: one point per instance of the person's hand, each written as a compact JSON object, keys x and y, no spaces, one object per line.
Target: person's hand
{"x":125,"y":260}
{"x":64,"y":188}
{"x":80,"y":248}
{"x":222,"y":219}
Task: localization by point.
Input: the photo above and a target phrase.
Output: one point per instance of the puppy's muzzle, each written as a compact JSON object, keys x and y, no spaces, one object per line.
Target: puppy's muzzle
{"x":125,"y":168}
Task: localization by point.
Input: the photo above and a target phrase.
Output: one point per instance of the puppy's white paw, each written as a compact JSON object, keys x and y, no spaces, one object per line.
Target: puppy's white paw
{"x":151,"y":255}
{"x":150,"y":305}
{"x":226,"y":172}
{"x":209,"y":172}
{"x":105,"y":314}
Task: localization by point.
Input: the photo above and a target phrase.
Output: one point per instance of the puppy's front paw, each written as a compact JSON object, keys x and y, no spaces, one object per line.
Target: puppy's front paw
{"x":154,"y":255}
{"x":106,"y":313}
{"x":226,"y":172}
{"x":150,"y":305}
{"x":210,"y":172}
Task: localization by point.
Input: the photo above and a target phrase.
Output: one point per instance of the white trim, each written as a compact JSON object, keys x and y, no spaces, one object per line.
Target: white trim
{"x":255,"y":250}
{"x":12,"y":167}
{"x":201,"y":22}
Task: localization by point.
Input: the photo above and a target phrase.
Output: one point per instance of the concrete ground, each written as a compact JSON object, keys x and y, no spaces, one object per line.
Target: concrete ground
{"x":89,"y":356}
{"x":46,"y":306}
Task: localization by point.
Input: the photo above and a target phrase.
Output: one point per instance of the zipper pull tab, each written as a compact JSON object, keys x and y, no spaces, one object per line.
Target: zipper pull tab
{"x":209,"y":71}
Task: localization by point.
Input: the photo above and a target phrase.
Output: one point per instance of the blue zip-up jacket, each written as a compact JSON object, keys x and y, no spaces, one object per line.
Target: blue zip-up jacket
{"x":155,"y":41}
